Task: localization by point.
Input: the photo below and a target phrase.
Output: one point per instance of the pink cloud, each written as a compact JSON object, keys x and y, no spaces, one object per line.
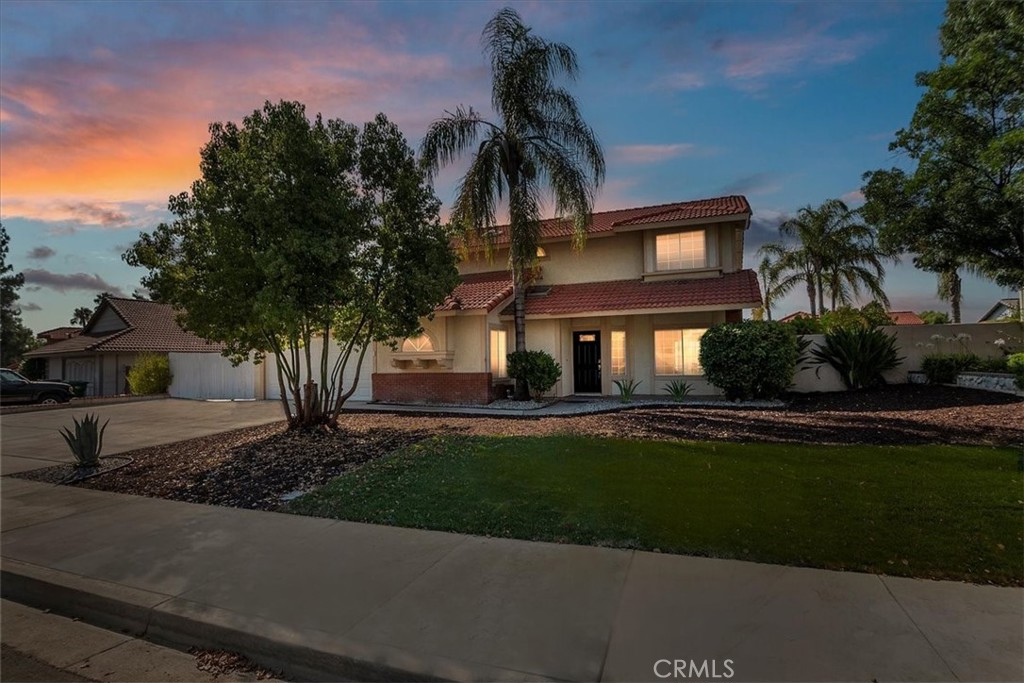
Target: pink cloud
{"x":853,"y":197}
{"x":748,"y":60}
{"x":134,"y":121}
{"x":651,"y":154}
{"x":684,"y":80}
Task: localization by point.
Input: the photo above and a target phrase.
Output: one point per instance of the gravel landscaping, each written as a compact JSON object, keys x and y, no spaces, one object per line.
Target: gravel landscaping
{"x":262,"y":467}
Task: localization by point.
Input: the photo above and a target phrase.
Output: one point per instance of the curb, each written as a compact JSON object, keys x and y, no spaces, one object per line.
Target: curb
{"x":303,"y":654}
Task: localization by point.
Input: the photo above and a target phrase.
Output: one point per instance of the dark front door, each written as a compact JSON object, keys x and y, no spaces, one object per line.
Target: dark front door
{"x":586,"y":362}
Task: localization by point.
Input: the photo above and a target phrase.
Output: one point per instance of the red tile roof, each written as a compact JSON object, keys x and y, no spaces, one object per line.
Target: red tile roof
{"x":738,"y":290}
{"x":906,"y":318}
{"x":479,"y":291}
{"x":608,"y":221}
{"x":58,"y":333}
{"x":150,"y":327}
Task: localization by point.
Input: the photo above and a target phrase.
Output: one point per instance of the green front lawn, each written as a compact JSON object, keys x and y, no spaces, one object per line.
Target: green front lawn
{"x":952,"y":512}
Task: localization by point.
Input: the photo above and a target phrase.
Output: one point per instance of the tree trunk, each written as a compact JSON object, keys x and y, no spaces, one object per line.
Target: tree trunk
{"x":519,"y":293}
{"x":810,"y":297}
{"x":955,"y":294}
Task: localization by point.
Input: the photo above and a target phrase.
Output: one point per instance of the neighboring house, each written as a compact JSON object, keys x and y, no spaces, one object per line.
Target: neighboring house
{"x":104,"y":350}
{"x":1003,"y":309}
{"x":632,"y":304}
{"x":58,"y":334}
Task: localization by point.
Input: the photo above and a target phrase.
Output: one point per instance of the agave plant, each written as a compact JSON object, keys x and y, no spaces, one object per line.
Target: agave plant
{"x":678,"y":390}
{"x":627,"y":388}
{"x":86,"y":441}
{"x":860,"y":355}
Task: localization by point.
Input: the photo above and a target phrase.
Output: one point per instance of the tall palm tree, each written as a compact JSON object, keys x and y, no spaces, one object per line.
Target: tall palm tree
{"x":834,"y":252}
{"x":538,"y":143}
{"x":81,"y":316}
{"x":770,"y":273}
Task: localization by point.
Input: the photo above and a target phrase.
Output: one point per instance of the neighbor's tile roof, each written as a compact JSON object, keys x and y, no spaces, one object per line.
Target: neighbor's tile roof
{"x":58,"y":333}
{"x":738,"y":289}
{"x":608,"y":221}
{"x":479,"y":291}
{"x":906,"y":318}
{"x":150,"y":327}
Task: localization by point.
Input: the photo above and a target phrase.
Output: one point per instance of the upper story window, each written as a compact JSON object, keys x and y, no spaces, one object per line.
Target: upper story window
{"x":420,"y":344}
{"x":681,"y":250}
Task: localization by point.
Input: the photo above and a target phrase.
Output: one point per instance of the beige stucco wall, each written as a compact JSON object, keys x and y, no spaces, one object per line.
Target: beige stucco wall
{"x":618,"y":256}
{"x":465,"y":336}
{"x":555,"y":337}
{"x":915,"y":342}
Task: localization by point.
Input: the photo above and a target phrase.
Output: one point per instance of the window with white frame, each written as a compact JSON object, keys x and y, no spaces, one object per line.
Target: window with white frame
{"x":499,"y":354}
{"x":680,"y":250}
{"x":618,"y":353}
{"x":677,"y":352}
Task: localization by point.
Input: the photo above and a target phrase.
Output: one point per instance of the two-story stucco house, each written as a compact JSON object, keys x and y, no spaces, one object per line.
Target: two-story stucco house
{"x":632,"y":304}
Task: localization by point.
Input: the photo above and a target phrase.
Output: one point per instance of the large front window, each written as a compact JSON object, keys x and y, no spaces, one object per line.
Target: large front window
{"x":499,"y":353}
{"x":680,"y":250}
{"x":677,"y":352}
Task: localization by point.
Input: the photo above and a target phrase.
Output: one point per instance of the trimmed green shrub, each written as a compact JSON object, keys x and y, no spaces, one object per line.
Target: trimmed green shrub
{"x":538,"y":369}
{"x":942,"y":368}
{"x":752,"y":359}
{"x":34,"y":368}
{"x":150,"y":374}
{"x":86,"y":441}
{"x":804,"y":325}
{"x":1015,"y":364}
{"x":678,"y":390}
{"x":997,"y":364}
{"x":627,"y":388}
{"x":859,"y":354}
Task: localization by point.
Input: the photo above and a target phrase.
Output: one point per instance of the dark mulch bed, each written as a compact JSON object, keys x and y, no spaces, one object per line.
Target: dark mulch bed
{"x":905,"y":414}
{"x":249,"y":468}
{"x":258,"y":467}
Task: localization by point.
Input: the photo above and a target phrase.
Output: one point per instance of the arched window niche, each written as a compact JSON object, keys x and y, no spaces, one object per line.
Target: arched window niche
{"x":421,"y":353}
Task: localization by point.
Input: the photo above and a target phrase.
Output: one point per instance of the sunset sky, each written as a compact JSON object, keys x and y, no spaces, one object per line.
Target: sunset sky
{"x":104,"y":106}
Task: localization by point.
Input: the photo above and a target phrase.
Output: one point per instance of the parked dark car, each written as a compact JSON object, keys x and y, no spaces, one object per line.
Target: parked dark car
{"x":16,"y":389}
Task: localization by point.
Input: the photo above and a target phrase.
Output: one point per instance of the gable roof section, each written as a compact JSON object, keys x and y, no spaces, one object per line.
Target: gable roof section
{"x":998,"y":309}
{"x":609,"y":221}
{"x":151,"y":327}
{"x":736,"y":290}
{"x":480,"y":291}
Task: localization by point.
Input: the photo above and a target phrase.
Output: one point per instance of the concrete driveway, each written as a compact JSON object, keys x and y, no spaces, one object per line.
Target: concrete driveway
{"x":32,"y":440}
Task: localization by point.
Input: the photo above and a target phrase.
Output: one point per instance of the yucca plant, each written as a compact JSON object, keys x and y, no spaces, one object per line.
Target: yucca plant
{"x":86,"y":441}
{"x":678,"y":390}
{"x":861,"y":355}
{"x":627,"y":388}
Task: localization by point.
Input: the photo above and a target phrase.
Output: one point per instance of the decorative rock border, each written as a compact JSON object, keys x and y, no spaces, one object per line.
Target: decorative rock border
{"x":989,"y":381}
{"x":1001,"y":382}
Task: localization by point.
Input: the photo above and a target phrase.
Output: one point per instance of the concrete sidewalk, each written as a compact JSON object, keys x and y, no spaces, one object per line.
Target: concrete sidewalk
{"x":327,"y":599}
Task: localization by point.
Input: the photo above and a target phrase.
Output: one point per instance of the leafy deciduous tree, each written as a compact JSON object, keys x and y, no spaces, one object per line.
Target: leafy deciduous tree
{"x":299,"y":229}
{"x":964,"y":202}
{"x":15,"y":338}
{"x":539,"y":142}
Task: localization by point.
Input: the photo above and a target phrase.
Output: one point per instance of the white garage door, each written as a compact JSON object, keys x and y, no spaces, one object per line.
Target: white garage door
{"x":81,"y":370}
{"x":364,"y":390}
{"x":210,"y":376}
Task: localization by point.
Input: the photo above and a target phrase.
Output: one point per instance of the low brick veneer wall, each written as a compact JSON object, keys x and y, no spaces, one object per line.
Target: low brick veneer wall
{"x":472,"y":388}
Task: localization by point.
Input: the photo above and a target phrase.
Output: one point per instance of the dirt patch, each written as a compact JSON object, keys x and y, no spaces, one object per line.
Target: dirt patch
{"x":260,"y":467}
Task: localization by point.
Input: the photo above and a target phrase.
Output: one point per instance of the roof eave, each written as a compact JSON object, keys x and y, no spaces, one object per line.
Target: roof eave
{"x":714,"y":220}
